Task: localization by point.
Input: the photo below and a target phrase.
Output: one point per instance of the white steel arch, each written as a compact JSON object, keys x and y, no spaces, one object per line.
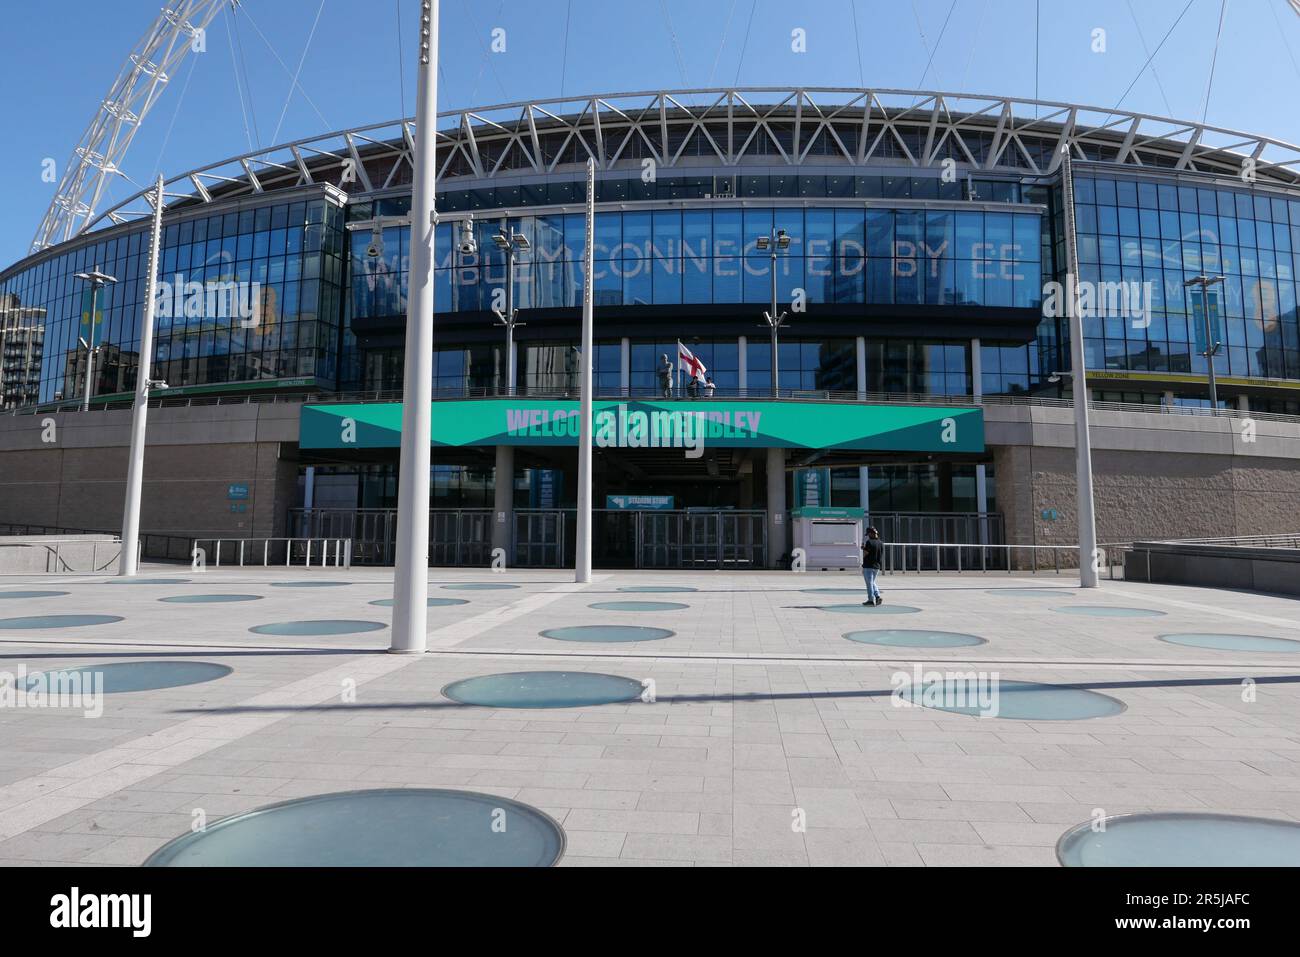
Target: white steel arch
{"x":735,"y":126}
{"x":141,"y":80}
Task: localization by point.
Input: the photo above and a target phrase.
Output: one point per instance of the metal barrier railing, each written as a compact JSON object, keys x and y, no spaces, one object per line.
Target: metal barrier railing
{"x":916,"y":557}
{"x":244,"y":551}
{"x":1287,"y":540}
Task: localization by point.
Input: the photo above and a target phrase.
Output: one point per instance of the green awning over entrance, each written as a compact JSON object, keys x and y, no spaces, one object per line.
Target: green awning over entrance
{"x":750,"y":423}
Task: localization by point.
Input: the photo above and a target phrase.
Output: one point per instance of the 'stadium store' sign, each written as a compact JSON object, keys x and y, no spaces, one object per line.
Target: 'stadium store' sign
{"x":691,"y":426}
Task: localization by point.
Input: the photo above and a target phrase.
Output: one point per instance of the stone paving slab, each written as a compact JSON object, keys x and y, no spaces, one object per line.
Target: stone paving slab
{"x":772,"y":739}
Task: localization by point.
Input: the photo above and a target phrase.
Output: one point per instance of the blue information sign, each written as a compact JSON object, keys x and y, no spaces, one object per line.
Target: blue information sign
{"x":640,"y":503}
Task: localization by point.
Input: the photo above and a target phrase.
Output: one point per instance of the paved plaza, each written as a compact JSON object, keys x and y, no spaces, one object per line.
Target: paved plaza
{"x":771,"y":738}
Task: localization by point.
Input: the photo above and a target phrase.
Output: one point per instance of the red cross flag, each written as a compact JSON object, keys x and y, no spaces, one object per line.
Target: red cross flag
{"x":688,"y":363}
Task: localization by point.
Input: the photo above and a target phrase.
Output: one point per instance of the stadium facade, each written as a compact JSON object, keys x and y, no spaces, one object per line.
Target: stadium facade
{"x":922,"y":367}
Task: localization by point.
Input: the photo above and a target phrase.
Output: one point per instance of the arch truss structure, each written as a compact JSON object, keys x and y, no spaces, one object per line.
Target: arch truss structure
{"x":823,"y":128}
{"x":97,"y":159}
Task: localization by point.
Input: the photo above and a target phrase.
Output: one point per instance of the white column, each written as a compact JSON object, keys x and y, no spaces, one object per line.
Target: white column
{"x":625,"y":366}
{"x":777,"y":531}
{"x":309,"y":487}
{"x":743,"y":375}
{"x":864,"y":487}
{"x":411,"y":577}
{"x":862,"y":369}
{"x":128,"y":563}
{"x":1079,"y":387}
{"x":1243,"y":403}
{"x":503,"y":499}
{"x":582,"y":551}
{"x":981,"y":473}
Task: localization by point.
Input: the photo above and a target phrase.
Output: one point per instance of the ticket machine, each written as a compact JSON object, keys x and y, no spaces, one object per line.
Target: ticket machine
{"x":831,"y":538}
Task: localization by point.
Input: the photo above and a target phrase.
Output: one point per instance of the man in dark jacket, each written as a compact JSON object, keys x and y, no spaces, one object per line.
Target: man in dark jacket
{"x":873,"y":556}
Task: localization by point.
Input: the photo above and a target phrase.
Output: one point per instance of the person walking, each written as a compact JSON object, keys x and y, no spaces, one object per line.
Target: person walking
{"x":873,"y":555}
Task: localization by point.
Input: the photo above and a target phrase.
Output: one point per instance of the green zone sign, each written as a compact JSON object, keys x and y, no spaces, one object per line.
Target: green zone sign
{"x":651,"y":424}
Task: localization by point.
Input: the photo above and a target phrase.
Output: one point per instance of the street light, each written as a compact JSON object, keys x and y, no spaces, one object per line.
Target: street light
{"x":1211,"y":344}
{"x":97,"y":280}
{"x":777,"y":239}
{"x":510,"y":242}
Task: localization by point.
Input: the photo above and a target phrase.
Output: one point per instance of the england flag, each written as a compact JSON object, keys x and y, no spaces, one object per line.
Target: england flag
{"x":688,"y":363}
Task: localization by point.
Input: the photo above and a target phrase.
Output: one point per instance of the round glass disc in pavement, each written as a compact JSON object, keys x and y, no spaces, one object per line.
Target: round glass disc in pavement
{"x":1020,"y":700}
{"x":431,"y":602}
{"x":638,"y":606}
{"x":208,"y":599}
{"x":56,"y":621}
{"x":607,"y":633}
{"x":390,"y":827}
{"x":885,"y":609}
{"x":650,"y":589}
{"x":479,"y":586}
{"x":309,"y":584}
{"x":1182,"y":839}
{"x":147,"y":581}
{"x":31,"y":594}
{"x":1233,"y":642}
{"x":320,"y":627}
{"x":902,"y":638}
{"x":1109,"y":611}
{"x":124,"y":676}
{"x":1033,"y":592}
{"x":544,"y":689}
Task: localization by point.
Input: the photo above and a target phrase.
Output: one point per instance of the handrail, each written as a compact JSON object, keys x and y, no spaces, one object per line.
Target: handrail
{"x":342,"y":548}
{"x":147,"y":539}
{"x":53,"y":549}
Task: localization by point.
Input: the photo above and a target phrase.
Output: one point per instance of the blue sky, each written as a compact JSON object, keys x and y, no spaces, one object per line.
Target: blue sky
{"x":55,"y":69}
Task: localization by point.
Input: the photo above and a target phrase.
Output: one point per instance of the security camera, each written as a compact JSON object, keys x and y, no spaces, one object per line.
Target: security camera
{"x":468,"y":245}
{"x":376,"y":248}
{"x":157,"y":384}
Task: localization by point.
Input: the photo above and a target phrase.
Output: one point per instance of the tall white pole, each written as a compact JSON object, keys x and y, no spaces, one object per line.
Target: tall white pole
{"x":582,"y":559}
{"x":129,"y":563}
{"x":411,"y":578}
{"x":1079,"y":387}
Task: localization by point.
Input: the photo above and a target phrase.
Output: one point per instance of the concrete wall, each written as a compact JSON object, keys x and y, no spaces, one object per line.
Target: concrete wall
{"x":69,"y":470}
{"x":58,"y":554}
{"x":1155,"y":475}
